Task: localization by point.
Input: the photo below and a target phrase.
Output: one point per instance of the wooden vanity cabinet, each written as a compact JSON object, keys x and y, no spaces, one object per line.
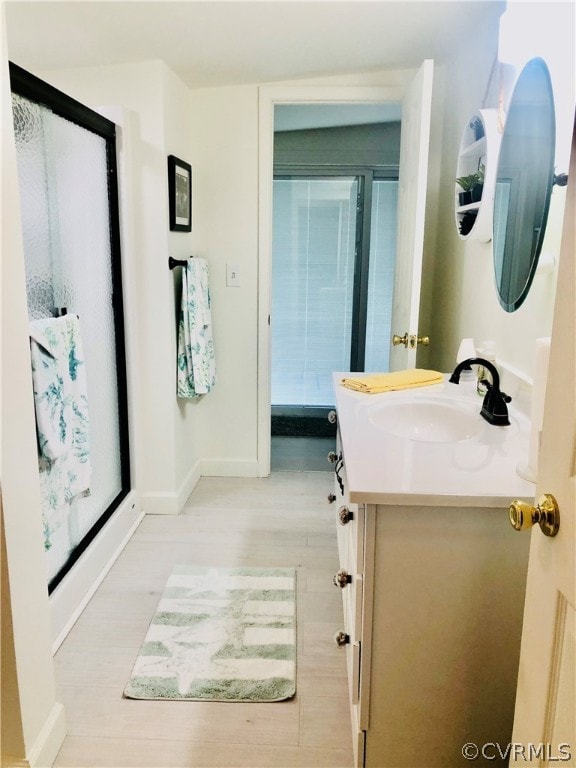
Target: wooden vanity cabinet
{"x":432,"y":625}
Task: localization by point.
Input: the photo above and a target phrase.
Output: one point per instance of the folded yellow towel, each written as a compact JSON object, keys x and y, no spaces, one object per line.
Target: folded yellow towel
{"x":374,"y":383}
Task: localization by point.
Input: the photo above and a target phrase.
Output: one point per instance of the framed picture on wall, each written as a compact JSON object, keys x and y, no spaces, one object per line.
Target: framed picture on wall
{"x":180,"y":194}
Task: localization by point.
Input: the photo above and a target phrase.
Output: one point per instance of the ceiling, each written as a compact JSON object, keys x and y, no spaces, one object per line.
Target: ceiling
{"x":229,"y":42}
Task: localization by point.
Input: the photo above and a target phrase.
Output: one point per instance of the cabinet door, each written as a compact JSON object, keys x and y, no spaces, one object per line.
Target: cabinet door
{"x":350,"y":577}
{"x":352,"y":596}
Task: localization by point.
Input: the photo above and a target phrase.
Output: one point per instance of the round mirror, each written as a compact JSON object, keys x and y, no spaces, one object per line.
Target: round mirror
{"x":524,"y":181}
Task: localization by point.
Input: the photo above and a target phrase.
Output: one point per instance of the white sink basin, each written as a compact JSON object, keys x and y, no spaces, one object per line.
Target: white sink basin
{"x":428,"y":419}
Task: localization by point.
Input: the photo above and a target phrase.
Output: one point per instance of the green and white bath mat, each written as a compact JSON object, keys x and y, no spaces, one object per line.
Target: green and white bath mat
{"x":220,"y":634}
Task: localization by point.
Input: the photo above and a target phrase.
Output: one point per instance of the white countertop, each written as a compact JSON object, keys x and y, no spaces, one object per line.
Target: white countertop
{"x":478,"y":471}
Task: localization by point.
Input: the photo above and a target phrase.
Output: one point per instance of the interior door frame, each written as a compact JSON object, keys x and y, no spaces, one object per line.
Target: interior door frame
{"x":268,"y":97}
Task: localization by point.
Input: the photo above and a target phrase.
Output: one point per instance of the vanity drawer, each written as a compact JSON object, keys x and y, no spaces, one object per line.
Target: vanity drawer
{"x":352,"y":596}
{"x":350,"y":526}
{"x":350,"y":536}
{"x":350,"y":580}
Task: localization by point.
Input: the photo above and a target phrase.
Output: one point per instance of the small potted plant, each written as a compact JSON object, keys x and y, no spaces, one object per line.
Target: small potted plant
{"x":478,"y":186}
{"x":471,"y":186}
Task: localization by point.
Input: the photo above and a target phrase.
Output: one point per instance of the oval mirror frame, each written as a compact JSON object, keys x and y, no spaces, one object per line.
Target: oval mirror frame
{"x":524,"y":181}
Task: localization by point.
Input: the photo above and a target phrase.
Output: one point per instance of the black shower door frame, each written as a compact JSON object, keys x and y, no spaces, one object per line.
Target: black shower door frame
{"x":31,"y":87}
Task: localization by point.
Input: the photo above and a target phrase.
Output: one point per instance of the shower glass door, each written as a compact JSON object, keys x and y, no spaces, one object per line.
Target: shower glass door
{"x":68,"y":197}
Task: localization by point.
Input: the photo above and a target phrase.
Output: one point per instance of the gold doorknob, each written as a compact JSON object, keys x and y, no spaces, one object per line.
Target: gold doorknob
{"x":546,"y":513}
{"x":411,"y":341}
{"x":397,"y":340}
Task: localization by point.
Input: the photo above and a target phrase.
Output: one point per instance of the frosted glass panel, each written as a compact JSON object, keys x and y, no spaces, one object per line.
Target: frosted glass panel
{"x":312,"y":281}
{"x":381,"y":274}
{"x":64,"y":198}
{"x":29,"y":125}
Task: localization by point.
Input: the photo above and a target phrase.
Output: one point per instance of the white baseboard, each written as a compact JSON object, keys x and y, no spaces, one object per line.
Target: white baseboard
{"x":171,"y":503}
{"x":229,"y":468}
{"x":72,"y":595}
{"x":47,"y":745}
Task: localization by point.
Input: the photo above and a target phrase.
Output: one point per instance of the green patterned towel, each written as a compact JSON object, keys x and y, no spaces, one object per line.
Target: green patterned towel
{"x":62,"y":423}
{"x":196,"y":373}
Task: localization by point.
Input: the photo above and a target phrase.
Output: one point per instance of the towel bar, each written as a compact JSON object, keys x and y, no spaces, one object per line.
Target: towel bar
{"x":172,"y":263}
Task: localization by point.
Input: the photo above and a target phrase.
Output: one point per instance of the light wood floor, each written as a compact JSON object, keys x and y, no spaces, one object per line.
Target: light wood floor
{"x":283,"y":520}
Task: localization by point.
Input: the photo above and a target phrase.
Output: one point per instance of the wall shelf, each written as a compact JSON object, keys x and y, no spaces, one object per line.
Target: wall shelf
{"x":479,"y":148}
{"x":469,"y":207}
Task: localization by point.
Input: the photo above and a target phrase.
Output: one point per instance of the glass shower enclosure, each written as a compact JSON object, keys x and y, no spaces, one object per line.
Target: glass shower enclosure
{"x":69,"y":207}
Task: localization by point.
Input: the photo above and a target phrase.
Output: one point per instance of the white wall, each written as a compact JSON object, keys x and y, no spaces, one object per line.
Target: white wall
{"x":29,"y":707}
{"x":224,"y":132}
{"x":465,"y":301}
{"x":180,"y":245}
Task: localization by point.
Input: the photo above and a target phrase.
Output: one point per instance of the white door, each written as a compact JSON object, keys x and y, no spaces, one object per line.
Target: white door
{"x":414,"y":145}
{"x":545,"y":717}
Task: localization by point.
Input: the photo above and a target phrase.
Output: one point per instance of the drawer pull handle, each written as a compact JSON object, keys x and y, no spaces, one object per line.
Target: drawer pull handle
{"x":332,"y":457}
{"x":332,"y":417}
{"x":342,"y":579}
{"x":345,"y":515}
{"x":339,"y":466}
{"x":331,"y":498}
{"x":341,"y":639}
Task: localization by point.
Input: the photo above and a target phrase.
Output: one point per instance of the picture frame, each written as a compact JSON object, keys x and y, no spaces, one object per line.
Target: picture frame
{"x":179,"y":194}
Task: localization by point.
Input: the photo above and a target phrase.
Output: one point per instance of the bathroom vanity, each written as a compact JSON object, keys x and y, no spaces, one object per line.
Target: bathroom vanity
{"x":431,"y":572}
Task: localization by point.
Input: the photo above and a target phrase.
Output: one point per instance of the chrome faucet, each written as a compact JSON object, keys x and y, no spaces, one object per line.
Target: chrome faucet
{"x":494,"y":408}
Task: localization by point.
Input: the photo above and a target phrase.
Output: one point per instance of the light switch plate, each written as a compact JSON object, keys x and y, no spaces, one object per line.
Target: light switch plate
{"x":232,"y":275}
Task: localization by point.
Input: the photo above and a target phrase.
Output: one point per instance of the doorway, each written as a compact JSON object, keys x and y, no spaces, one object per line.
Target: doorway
{"x":335,"y":192}
{"x":412,"y":100}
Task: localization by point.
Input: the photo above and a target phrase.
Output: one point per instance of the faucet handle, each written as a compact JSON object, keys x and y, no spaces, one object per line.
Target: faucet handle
{"x":494,"y":408}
